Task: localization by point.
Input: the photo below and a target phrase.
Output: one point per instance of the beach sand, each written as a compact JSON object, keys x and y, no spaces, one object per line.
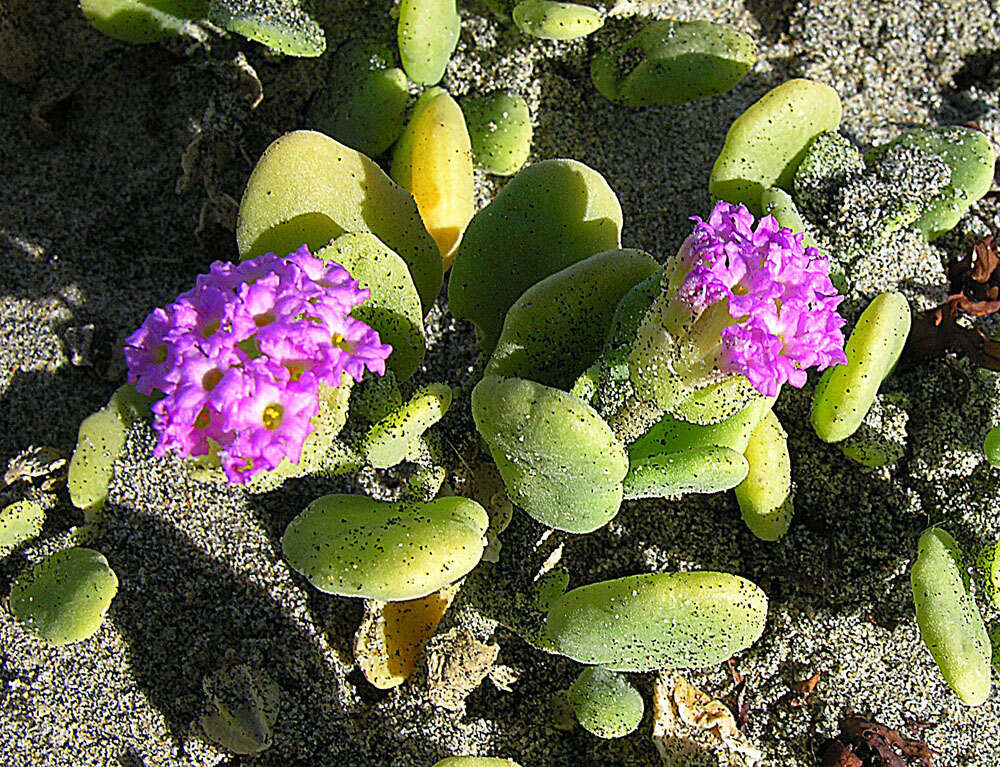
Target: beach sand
{"x":95,"y":231}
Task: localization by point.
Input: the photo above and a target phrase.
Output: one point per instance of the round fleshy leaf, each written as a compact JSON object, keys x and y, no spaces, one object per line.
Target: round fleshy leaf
{"x":308,"y":189}
{"x":353,"y":546}
{"x":19,"y":522}
{"x":604,"y":703}
{"x":99,"y":440}
{"x":64,"y":597}
{"x":98,"y":443}
{"x":970,"y":157}
{"x":500,"y":130}
{"x":559,"y":460}
{"x":671,"y":435}
{"x":557,"y":326}
{"x":717,"y":402}
{"x":548,"y":216}
{"x":845,"y":392}
{"x":364,"y":102}
{"x":393,"y":309}
{"x":765,"y":144}
{"x":242,"y":707}
{"x":390,"y":440}
{"x":672,"y":62}
{"x":427,"y":34}
{"x":765,"y":495}
{"x":551,"y":20}
{"x":433,"y":161}
{"x":654,"y":621}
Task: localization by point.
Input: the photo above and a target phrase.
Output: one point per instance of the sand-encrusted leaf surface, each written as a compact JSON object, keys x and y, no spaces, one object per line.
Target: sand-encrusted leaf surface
{"x":64,"y":597}
{"x":550,"y":215}
{"x":557,"y":327}
{"x":308,"y":189}
{"x":559,"y":460}
{"x":353,"y":546}
{"x":660,"y":620}
{"x":393,"y":308}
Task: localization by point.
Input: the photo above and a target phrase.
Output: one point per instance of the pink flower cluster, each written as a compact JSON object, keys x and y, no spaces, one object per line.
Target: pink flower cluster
{"x":241,"y":358}
{"x":779,"y":294}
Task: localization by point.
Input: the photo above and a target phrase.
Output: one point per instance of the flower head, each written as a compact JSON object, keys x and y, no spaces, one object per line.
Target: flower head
{"x":240,"y":358}
{"x":781,"y":303}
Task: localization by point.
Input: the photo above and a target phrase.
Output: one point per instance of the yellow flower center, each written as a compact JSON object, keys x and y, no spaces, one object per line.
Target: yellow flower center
{"x":342,"y":343}
{"x":272,"y":416}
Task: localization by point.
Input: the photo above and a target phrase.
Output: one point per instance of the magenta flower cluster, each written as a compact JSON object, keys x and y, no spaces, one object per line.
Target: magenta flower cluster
{"x":241,"y":357}
{"x":780,"y":298}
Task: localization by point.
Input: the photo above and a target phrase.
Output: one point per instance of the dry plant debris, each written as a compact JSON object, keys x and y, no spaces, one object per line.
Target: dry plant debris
{"x":679,"y":706}
{"x":974,"y":283}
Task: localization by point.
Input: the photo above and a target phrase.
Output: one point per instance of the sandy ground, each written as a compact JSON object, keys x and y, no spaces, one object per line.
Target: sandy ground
{"x":95,"y":230}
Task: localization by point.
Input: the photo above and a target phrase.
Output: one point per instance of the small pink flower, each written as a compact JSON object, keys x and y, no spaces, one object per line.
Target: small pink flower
{"x":778,"y":293}
{"x":240,"y":358}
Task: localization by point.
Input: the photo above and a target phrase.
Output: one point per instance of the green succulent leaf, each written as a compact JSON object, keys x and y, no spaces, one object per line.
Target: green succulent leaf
{"x":709,"y":469}
{"x":970,"y":157}
{"x":391,"y":440}
{"x":393,"y":309}
{"x":278,"y":24}
{"x":604,"y":703}
{"x":766,"y":143}
{"x":309,"y":189}
{"x":500,"y":130}
{"x":557,"y":326}
{"x":672,"y":62}
{"x":364,"y":101}
{"x":427,"y":34}
{"x":550,"y":20}
{"x":142,"y":21}
{"x":558,"y":458}
{"x":949,"y":621}
{"x":64,"y":597}
{"x":19,"y":522}
{"x":548,"y":216}
{"x":353,"y":546}
{"x":846,"y":392}
{"x":654,"y":621}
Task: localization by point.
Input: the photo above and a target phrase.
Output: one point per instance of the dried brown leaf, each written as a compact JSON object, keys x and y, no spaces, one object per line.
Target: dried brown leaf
{"x":802,"y":690}
{"x":862,"y":743}
{"x":37,"y":463}
{"x":836,"y":754}
{"x":975,"y":292}
{"x":677,"y":702}
{"x":886,"y":742}
{"x":456,"y":663}
{"x":741,"y":707}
